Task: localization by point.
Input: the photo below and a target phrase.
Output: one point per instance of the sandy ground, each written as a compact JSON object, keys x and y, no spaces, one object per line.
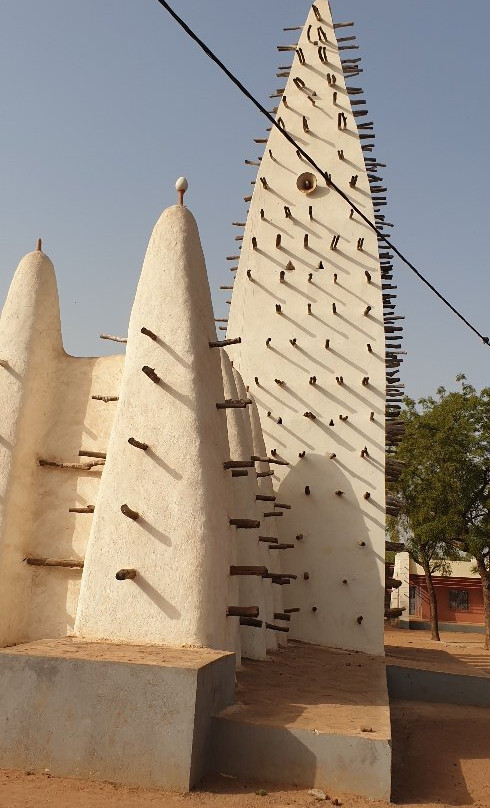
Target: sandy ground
{"x":309,"y":687}
{"x":77,"y":648}
{"x":441,"y":758}
{"x":455,"y":653}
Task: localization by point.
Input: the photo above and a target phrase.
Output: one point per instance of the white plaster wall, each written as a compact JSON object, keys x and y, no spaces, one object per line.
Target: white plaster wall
{"x":30,"y":342}
{"x":182,"y":544}
{"x":250,"y":588}
{"x":75,"y":422}
{"x":400,"y":598}
{"x":332,"y":526}
{"x":46,"y":411}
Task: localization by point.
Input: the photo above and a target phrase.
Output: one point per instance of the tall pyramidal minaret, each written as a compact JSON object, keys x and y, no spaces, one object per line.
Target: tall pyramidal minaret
{"x":308,"y":305}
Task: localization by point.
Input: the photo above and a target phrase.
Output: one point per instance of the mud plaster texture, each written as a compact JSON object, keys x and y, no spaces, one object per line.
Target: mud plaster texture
{"x":47,"y":412}
{"x":332,"y":526}
{"x":181,"y":545}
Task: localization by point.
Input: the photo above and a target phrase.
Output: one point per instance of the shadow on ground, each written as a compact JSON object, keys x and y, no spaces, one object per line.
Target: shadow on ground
{"x":441,"y":754}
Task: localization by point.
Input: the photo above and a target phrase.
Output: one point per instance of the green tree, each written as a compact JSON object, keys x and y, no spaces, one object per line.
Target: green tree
{"x":444,"y":487}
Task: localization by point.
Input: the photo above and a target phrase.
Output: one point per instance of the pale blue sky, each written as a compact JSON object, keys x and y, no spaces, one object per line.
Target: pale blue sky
{"x":105,"y":103}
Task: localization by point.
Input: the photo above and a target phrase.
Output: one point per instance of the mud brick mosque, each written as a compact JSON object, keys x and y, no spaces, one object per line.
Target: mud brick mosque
{"x":184,"y":525}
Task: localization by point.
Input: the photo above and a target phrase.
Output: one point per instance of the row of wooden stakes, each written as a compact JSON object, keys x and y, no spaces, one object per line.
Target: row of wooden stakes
{"x":77,"y":563}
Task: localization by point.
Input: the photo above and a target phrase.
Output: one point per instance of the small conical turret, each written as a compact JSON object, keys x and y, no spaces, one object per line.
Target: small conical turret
{"x":30,"y":320}
{"x":30,"y":345}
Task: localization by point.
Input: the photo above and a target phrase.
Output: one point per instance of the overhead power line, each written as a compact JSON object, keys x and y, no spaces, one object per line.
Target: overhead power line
{"x":326,"y":176}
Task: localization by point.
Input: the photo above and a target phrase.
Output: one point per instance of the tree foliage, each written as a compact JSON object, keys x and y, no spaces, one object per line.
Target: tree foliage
{"x":444,"y":488}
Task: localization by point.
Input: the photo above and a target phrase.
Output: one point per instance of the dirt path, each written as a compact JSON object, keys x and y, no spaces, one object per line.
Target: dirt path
{"x":441,"y":758}
{"x":456,"y":653}
{"x":441,"y":754}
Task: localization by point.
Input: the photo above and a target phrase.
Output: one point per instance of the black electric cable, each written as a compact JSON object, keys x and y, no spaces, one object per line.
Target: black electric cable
{"x":324,"y":174}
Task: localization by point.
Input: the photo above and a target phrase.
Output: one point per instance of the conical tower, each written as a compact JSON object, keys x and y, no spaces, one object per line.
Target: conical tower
{"x":157,"y":566}
{"x":308,"y":305}
{"x":30,"y":347}
{"x":251,"y":588}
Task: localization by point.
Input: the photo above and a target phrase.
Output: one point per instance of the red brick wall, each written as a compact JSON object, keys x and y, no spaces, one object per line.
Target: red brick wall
{"x":442,"y":586}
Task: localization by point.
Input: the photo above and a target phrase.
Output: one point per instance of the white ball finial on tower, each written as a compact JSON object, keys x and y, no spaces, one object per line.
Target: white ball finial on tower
{"x":181,"y":187}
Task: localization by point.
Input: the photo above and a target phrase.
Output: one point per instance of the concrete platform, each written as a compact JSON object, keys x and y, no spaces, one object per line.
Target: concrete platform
{"x":408,"y":683}
{"x":138,"y":715}
{"x":310,"y":716}
{"x":453,"y":671}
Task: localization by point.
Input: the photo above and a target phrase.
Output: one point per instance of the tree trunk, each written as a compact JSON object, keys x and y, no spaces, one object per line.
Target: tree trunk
{"x":485,"y":579}
{"x":434,"y":617}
